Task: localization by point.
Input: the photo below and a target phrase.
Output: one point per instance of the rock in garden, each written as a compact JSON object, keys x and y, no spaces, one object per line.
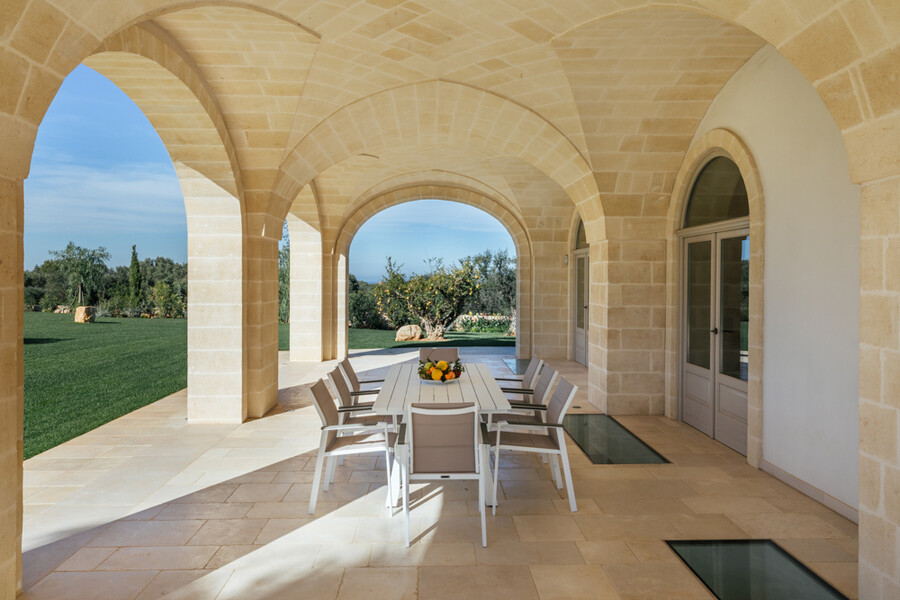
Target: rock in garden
{"x":84,"y":314}
{"x":409,"y":333}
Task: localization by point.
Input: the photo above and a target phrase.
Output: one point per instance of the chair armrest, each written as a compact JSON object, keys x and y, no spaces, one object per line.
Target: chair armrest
{"x":358,"y":407}
{"x":527,"y":406}
{"x":364,"y":393}
{"x":401,"y":434}
{"x":519,"y":379}
{"x":379,"y":428}
{"x":517,"y":391}
{"x":373,"y":381}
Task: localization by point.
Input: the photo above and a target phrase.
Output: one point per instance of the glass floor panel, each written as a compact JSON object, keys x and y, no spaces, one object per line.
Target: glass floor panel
{"x":752,"y":570}
{"x":606,"y":442}
{"x":517,"y":365}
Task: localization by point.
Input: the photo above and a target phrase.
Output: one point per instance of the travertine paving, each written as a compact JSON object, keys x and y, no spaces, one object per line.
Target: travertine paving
{"x":149,"y":506}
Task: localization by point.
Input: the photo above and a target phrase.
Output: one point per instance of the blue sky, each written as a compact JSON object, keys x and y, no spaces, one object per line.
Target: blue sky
{"x":100,"y":176}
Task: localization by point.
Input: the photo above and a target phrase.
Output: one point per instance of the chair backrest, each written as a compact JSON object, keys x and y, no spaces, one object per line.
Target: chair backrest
{"x":544,"y":385}
{"x":560,"y":401}
{"x":340,"y":387}
{"x":435,"y":354}
{"x":531,"y":372}
{"x":325,"y":406}
{"x":350,"y":374}
{"x":443,"y":437}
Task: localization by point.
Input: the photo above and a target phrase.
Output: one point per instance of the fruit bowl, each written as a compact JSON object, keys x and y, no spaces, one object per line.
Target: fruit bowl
{"x":440,"y":371}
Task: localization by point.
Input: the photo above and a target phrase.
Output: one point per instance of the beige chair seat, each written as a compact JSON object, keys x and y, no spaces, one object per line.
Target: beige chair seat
{"x":523,"y":440}
{"x":362,"y":443}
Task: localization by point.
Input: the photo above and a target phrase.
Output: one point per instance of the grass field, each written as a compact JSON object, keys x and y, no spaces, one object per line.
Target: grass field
{"x":381,"y":338}
{"x":78,"y":377}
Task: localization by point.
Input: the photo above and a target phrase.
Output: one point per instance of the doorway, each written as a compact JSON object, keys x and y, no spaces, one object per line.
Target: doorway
{"x":715,"y":314}
{"x":582,"y":302}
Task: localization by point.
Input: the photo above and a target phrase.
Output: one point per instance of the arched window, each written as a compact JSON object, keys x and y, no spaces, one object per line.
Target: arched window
{"x":580,"y":237}
{"x":718,"y":194}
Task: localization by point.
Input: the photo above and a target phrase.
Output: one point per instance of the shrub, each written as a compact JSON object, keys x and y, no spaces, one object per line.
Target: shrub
{"x":363,"y":311}
{"x":482,"y":323}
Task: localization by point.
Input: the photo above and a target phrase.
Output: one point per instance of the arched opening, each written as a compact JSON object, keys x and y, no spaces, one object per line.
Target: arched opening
{"x":581,"y":278}
{"x":715,"y":247}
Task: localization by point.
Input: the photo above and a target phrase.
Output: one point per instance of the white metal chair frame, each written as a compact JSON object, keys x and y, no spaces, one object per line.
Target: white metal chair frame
{"x":528,"y":379}
{"x":405,"y":451}
{"x":354,"y":383}
{"x":333,"y":455}
{"x":553,"y":429}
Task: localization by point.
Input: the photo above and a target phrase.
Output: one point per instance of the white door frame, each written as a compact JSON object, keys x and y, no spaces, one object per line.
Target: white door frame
{"x":714,"y":232}
{"x":576,"y":303}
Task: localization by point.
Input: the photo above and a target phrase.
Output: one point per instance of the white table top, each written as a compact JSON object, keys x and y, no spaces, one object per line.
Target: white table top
{"x":402,"y":387}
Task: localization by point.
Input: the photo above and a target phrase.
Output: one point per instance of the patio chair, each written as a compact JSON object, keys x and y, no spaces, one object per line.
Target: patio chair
{"x":451,"y":355}
{"x":354,"y":381}
{"x":441,"y":442}
{"x":536,"y":401}
{"x":527,"y":379}
{"x":521,"y":437}
{"x":358,"y":439}
{"x":363,"y":416}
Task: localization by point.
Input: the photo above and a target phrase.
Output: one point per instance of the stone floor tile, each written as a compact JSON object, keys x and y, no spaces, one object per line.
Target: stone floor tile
{"x":86,"y":559}
{"x":424,"y":555}
{"x":444,"y":530}
{"x":572,"y":582}
{"x":159,"y":558}
{"x":386,"y":530}
{"x":343,"y":555}
{"x":787,"y":525}
{"x":227,"y":554}
{"x":466,"y":583}
{"x":530,"y":490}
{"x":90,"y":586}
{"x":170,"y":581}
{"x":734,"y":505}
{"x":259,"y":492}
{"x":537,"y":528}
{"x":606,"y":553}
{"x":656,"y":581}
{"x":383,"y":583}
{"x":228,"y":532}
{"x":147,"y":533}
{"x":528,"y":553}
{"x":815,"y":550}
{"x":636,"y":504}
{"x":844,"y":576}
{"x":206,"y":510}
{"x":331,"y":530}
{"x":289,"y":510}
{"x":705,"y":527}
{"x":297,"y":476}
{"x":282,"y":584}
{"x":624,"y":527}
{"x":214,"y":493}
{"x":652,"y":551}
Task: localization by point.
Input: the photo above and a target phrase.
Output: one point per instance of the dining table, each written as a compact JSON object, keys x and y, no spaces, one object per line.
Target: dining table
{"x":402,"y":387}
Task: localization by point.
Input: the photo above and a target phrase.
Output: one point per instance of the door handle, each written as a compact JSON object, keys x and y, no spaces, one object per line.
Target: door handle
{"x":714,"y":331}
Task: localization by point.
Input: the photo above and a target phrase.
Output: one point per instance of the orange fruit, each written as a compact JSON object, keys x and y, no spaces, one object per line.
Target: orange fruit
{"x":450,"y":376}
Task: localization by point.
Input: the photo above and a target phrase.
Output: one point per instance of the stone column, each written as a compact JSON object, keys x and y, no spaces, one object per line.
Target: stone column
{"x":306,"y":291}
{"x":879,"y":392}
{"x":342,"y":331}
{"x":217,"y":385}
{"x":11,"y":384}
{"x":262,"y":321}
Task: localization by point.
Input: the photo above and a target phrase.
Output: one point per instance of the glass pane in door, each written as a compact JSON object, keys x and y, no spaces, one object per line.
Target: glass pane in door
{"x":699,"y":304}
{"x":580,"y":292}
{"x":734,"y":309}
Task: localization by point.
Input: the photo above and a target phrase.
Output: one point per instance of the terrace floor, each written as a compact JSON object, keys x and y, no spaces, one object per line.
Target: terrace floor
{"x":149,"y":506}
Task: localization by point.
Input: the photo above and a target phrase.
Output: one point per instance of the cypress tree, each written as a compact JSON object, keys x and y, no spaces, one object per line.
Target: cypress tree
{"x":135,"y":281}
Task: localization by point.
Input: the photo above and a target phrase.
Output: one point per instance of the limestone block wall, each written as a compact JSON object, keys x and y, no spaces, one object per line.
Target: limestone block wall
{"x":306,"y":323}
{"x":262,"y":324}
{"x":11,"y":383}
{"x":217,"y":387}
{"x":879,"y":385}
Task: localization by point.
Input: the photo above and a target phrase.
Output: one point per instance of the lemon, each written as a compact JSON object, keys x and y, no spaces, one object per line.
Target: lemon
{"x":428,"y":367}
{"x":442,"y":365}
{"x":436,"y":375}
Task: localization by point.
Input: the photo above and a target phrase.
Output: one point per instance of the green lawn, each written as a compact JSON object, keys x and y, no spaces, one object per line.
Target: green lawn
{"x":78,"y":377}
{"x":380,"y":338}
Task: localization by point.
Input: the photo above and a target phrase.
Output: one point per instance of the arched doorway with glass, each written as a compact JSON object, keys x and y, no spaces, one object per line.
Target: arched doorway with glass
{"x":715,"y":246}
{"x":581,"y":269}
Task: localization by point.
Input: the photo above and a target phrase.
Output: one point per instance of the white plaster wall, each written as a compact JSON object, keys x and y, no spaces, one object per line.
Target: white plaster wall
{"x":811,"y":305}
